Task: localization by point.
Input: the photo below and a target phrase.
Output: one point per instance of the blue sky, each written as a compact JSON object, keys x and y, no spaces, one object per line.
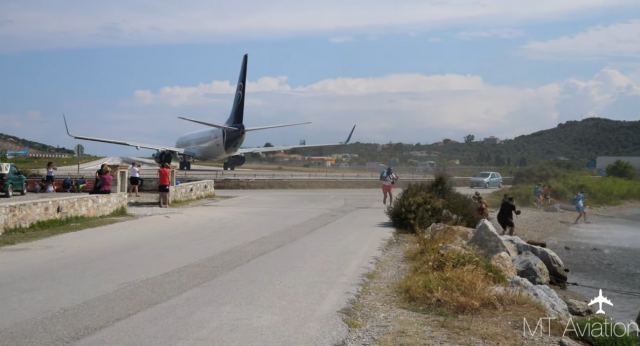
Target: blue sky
{"x":413,"y":71}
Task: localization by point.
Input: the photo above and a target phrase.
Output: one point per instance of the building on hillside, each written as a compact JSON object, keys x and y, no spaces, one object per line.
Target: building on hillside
{"x":603,"y":161}
{"x":492,"y":140}
{"x":17,"y":153}
{"x":284,"y":157}
{"x":324,"y":161}
{"x":49,"y":155}
{"x":425,"y":166}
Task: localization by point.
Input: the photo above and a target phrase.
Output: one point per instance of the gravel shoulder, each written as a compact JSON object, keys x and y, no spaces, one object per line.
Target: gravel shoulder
{"x":379,"y":316}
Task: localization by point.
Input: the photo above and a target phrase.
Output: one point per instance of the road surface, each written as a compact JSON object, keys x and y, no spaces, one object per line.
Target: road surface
{"x":266,"y":267}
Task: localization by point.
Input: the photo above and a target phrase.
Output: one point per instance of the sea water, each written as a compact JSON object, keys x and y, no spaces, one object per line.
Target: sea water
{"x":605,"y":254}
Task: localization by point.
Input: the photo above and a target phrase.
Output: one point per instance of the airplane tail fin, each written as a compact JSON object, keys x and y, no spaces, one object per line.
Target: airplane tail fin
{"x":237,"y":111}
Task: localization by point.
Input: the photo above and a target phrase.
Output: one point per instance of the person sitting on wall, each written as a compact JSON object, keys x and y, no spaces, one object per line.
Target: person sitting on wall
{"x":105,"y":182}
{"x":98,"y":181}
{"x":80,"y":184}
{"x":67,"y":184}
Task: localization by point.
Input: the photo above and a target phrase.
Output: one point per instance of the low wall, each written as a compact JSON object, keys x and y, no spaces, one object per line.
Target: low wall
{"x":26,"y":213}
{"x":193,"y":190}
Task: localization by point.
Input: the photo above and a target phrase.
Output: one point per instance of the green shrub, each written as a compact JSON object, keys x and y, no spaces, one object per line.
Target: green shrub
{"x":538,"y":174}
{"x":621,"y":169}
{"x":457,"y":281}
{"x":598,"y":190}
{"x":422,"y":204}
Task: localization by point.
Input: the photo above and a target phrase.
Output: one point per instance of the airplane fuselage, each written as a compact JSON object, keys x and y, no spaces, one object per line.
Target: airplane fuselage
{"x":210,"y":144}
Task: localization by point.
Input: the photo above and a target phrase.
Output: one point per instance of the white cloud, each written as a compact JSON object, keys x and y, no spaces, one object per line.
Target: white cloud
{"x":501,"y":33}
{"x":341,"y":39}
{"x":415,"y":107}
{"x":37,"y":25}
{"x":610,"y":94}
{"x":616,"y":40}
{"x":206,"y":93}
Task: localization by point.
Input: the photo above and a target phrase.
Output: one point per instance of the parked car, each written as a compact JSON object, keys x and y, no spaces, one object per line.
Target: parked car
{"x":486,"y":180}
{"x":11,"y":180}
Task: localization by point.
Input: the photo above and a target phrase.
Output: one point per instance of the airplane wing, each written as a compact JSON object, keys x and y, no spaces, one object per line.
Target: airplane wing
{"x":289,"y":147}
{"x":122,"y":142}
{"x":229,"y":128}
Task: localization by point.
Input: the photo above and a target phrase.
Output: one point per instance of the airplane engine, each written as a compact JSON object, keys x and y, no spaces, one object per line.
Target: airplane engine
{"x":234,"y":161}
{"x":163,"y":157}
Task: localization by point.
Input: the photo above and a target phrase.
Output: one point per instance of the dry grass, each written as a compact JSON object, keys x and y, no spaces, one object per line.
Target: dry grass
{"x":456,"y":280}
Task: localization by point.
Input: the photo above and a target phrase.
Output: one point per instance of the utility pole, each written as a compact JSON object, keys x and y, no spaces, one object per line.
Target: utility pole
{"x":79,"y":152}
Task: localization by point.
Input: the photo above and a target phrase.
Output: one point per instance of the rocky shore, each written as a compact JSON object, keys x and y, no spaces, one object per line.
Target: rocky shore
{"x":380,"y":316}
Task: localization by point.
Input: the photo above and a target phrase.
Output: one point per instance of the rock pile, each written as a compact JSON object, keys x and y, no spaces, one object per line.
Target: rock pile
{"x":529,"y":268}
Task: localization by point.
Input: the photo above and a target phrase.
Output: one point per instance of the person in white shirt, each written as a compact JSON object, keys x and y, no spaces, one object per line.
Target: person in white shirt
{"x":388,"y":178}
{"x":134,"y":178}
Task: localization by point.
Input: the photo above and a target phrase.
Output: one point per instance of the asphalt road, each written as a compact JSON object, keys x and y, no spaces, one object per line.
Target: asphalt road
{"x":267,"y":267}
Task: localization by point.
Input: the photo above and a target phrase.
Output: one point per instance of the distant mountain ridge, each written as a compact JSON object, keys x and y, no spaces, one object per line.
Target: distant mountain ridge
{"x":573,"y":140}
{"x":8,"y":142}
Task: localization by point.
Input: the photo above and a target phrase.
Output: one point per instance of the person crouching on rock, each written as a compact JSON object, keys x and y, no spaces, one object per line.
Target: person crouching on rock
{"x":483,"y":208}
{"x":505,"y":215}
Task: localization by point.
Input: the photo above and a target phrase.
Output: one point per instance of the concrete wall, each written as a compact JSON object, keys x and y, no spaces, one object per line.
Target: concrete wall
{"x":193,"y":190}
{"x":26,"y":213}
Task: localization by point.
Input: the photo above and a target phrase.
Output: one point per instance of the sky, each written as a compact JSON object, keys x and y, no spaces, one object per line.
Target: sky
{"x":403,"y":71}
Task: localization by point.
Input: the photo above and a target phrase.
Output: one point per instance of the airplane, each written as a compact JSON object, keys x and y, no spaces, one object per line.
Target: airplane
{"x":216,"y":143}
{"x":600,"y":300}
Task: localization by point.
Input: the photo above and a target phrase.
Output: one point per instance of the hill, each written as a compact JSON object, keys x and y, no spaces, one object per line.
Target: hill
{"x":577,"y":141}
{"x":8,"y":142}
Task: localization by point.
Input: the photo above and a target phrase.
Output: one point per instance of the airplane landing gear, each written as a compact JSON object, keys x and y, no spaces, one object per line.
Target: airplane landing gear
{"x":185,"y":165}
{"x":233,"y":162}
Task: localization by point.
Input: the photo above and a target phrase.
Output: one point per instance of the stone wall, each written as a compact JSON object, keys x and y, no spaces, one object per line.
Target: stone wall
{"x":193,"y":190}
{"x":26,"y":213}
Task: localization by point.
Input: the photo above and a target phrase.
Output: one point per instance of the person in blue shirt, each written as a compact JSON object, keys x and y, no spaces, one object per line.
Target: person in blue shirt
{"x":67,"y":184}
{"x":580,"y":207}
{"x":537,"y":193}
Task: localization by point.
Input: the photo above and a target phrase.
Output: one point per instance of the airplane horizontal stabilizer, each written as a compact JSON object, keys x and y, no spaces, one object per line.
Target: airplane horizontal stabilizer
{"x":223,"y":127}
{"x":283,"y":148}
{"x":275,"y":126}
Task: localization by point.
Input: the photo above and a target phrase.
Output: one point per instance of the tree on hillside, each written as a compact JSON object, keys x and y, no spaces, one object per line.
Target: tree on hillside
{"x":621,"y":169}
{"x":268,"y":145}
{"x":522,"y":162}
{"x":469,"y":138}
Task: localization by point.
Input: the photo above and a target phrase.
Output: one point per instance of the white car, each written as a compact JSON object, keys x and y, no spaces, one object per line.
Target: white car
{"x":486,"y":180}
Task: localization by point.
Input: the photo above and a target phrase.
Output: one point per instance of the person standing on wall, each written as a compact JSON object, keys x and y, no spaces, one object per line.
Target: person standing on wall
{"x":164,"y":180}
{"x":51,"y":175}
{"x":134,"y":178}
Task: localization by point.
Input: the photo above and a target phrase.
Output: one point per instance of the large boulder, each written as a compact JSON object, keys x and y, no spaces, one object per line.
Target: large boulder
{"x":555,"y":266}
{"x":486,"y":240}
{"x":503,"y":262}
{"x":557,"y":270}
{"x":578,"y":308}
{"x":531,"y":268}
{"x":547,"y":297}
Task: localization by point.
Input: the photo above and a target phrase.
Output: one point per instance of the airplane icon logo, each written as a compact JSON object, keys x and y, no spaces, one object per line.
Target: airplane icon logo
{"x":600,"y":299}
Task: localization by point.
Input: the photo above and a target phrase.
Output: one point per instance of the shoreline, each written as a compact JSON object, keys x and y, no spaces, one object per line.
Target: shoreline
{"x":598,"y":254}
{"x":546,"y":224}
